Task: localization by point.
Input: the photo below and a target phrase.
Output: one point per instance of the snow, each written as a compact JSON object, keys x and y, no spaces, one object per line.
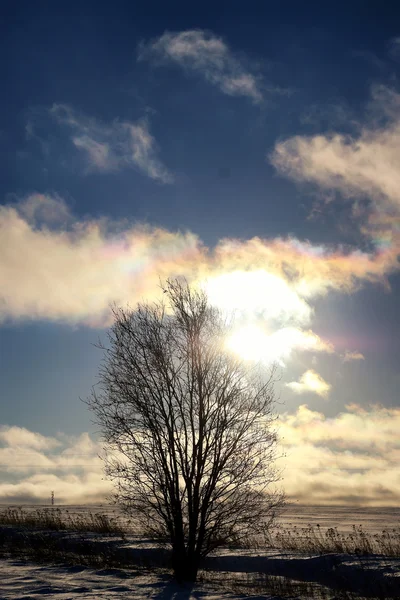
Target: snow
{"x":330,"y":570}
{"x":372,"y":519}
{"x":21,"y":580}
{"x":25,"y":580}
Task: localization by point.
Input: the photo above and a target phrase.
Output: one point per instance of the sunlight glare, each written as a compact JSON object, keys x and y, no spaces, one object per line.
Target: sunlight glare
{"x":253,"y":343}
{"x":248,"y":342}
{"x":258,"y":292}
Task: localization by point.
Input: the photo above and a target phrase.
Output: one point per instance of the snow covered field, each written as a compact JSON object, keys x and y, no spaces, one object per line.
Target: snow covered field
{"x":373,"y":519}
{"x":26,"y":581}
{"x":228,"y":574}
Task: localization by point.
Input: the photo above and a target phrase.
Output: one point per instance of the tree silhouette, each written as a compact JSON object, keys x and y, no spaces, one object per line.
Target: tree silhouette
{"x":188,"y":427}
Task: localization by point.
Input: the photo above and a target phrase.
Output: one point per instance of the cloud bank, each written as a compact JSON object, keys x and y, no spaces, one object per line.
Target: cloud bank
{"x":209,"y":56}
{"x":33,"y":465}
{"x":349,"y":459}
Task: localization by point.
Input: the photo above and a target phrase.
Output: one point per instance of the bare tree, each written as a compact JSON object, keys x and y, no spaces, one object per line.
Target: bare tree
{"x":188,"y":427}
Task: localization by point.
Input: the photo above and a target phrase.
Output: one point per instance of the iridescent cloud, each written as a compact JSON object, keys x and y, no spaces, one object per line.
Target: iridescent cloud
{"x":55,"y":267}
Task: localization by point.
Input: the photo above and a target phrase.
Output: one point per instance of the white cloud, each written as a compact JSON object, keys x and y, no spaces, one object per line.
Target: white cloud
{"x":352,"y":355}
{"x":282,"y":343}
{"x":253,"y":343}
{"x":113,"y":146}
{"x":207,"y":54}
{"x":363,"y":165}
{"x":99,"y":155}
{"x":19,"y":437}
{"x":310,"y":381}
{"x":300,"y":339}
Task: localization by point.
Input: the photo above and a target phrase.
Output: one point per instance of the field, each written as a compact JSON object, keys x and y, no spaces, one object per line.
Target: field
{"x":373,"y":520}
{"x":95,"y":552}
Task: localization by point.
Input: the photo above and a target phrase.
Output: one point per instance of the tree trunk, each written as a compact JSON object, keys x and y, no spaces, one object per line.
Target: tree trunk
{"x":184,"y":567}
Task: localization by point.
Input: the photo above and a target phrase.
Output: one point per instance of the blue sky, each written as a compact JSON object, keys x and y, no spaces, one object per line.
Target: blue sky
{"x":253,"y":146}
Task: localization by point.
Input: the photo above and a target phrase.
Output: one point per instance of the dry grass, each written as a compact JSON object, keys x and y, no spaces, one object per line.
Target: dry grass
{"x":308,"y":540}
{"x":357,"y":541}
{"x":54,"y":519}
{"x":257,"y":584}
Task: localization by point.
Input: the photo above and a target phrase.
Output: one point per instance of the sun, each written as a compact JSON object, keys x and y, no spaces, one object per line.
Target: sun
{"x":257,"y":293}
{"x":268,"y":312}
{"x":249,"y":342}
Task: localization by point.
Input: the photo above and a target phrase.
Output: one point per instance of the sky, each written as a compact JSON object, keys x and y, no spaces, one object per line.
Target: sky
{"x":252,"y":148}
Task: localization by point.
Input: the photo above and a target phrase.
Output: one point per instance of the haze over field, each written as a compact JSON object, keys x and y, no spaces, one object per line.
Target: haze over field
{"x":258,"y":155}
